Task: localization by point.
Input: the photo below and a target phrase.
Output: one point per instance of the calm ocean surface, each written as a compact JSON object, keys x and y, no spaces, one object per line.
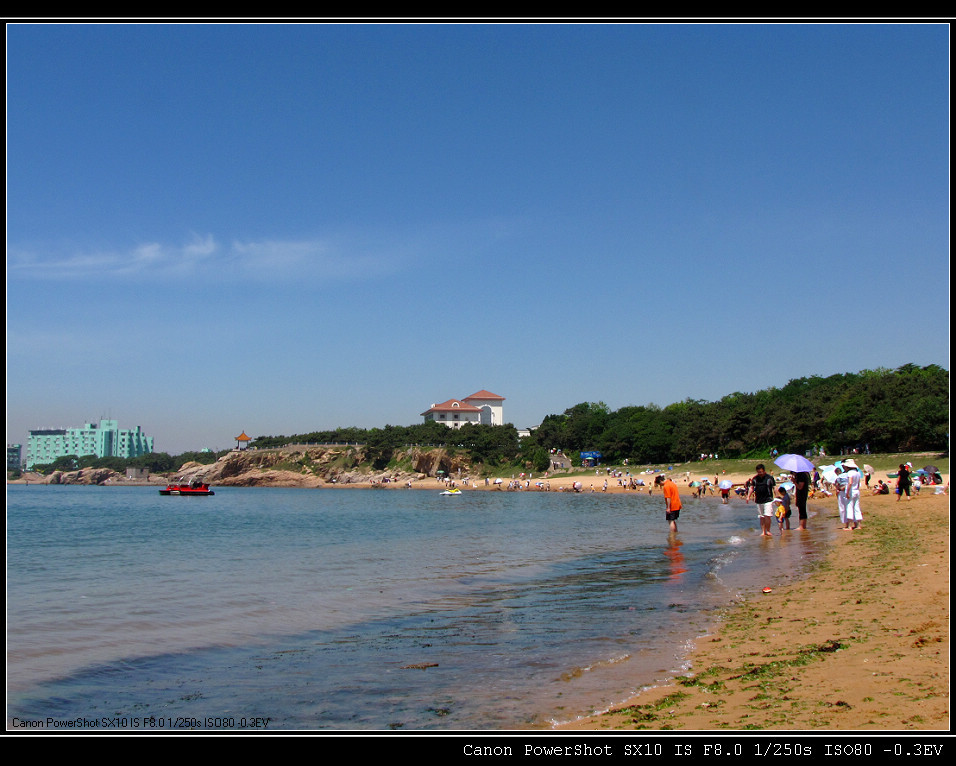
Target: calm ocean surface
{"x":363,"y":609}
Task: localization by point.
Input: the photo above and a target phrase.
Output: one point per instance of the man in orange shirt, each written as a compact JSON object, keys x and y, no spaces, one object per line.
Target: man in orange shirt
{"x":671,"y":500}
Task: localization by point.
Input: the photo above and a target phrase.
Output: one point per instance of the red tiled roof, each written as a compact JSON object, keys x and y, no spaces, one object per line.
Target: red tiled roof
{"x":484,"y":395}
{"x":452,"y":405}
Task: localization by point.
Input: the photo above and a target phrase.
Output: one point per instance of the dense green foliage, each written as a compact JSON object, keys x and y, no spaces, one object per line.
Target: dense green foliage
{"x":490,"y":445}
{"x":880,"y":410}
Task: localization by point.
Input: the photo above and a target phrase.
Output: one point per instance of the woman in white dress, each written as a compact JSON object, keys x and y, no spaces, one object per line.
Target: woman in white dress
{"x":853,"y":514}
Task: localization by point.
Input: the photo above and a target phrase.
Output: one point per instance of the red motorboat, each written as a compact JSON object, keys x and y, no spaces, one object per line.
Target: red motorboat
{"x":192,"y":488}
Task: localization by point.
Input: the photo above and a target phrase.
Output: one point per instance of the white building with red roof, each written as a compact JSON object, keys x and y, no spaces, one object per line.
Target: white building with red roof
{"x":481,"y":408}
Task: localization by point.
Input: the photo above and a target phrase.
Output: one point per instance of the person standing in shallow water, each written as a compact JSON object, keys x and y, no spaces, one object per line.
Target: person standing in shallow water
{"x":672,"y":504}
{"x":783,"y":510}
{"x":761,"y":490}
{"x":801,"y":492}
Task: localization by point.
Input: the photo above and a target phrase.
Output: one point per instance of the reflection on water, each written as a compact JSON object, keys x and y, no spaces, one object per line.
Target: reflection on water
{"x":673,"y":553}
{"x":363,"y":610}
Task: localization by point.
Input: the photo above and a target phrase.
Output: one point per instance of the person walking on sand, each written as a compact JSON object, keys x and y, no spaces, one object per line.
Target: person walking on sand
{"x":903,"y":482}
{"x":853,"y":513}
{"x":672,"y":504}
{"x":761,"y":490}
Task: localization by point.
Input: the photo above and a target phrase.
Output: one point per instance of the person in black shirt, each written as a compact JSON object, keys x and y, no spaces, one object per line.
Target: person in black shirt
{"x":761,"y":490}
{"x":801,"y":491}
{"x":903,"y":483}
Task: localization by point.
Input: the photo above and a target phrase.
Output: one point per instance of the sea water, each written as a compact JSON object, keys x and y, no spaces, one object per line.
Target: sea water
{"x":363,"y":609}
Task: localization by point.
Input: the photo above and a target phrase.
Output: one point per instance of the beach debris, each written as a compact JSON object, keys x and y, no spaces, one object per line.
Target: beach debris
{"x":419,"y":666}
{"x":768,"y":590}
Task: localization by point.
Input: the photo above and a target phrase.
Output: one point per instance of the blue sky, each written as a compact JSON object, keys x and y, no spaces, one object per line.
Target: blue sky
{"x":285,"y":228}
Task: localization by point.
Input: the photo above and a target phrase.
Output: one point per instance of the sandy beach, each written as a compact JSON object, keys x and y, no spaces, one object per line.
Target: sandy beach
{"x":861,"y":644}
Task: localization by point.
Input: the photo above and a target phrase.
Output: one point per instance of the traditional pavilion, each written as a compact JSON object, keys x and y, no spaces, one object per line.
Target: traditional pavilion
{"x":242,"y":441}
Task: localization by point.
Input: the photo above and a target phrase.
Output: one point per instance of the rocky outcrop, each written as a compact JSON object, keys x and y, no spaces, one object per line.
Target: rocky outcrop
{"x":430,"y":461}
{"x":307,"y":466}
{"x":267,"y":478}
{"x":298,"y":466}
{"x":84,"y":476}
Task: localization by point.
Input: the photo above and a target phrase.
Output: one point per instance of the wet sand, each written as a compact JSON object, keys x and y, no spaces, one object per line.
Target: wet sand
{"x":861,"y":644}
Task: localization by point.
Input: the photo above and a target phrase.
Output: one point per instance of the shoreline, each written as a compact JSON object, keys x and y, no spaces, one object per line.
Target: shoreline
{"x":598,"y":482}
{"x":860,"y":643}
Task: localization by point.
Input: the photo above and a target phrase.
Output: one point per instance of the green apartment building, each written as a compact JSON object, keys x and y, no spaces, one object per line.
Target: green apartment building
{"x":105,"y":439}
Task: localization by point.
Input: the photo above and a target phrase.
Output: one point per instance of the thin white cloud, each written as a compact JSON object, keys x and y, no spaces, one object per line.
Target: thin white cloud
{"x":310,"y":259}
{"x":200,"y":247}
{"x":276,"y":257}
{"x":347,"y":256}
{"x":149,"y":259}
{"x":202,"y":257}
{"x":32,"y":265}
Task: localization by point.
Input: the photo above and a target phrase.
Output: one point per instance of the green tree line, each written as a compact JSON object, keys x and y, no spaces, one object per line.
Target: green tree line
{"x":489,"y":445}
{"x":882,"y":410}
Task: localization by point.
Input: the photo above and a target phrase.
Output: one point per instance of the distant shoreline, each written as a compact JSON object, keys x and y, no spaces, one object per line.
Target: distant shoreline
{"x":590,"y":484}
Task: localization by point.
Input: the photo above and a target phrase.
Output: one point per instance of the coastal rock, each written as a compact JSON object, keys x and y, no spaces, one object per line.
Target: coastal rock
{"x":83,"y":476}
{"x":430,"y":461}
{"x":272,"y":479}
{"x":296,"y":466}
